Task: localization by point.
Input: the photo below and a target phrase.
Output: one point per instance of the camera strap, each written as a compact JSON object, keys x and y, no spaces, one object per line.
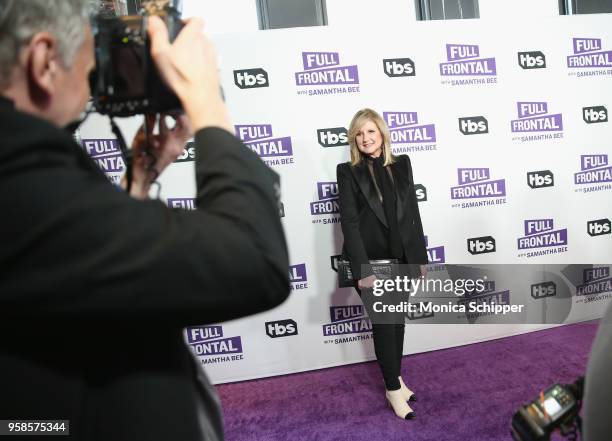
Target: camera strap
{"x":125,"y":152}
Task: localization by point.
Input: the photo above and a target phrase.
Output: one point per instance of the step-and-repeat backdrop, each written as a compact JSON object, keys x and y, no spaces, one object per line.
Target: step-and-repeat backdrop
{"x":507,"y":126}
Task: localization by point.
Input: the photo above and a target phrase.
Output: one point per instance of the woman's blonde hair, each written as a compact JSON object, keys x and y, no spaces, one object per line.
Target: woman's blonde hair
{"x":360,"y":118}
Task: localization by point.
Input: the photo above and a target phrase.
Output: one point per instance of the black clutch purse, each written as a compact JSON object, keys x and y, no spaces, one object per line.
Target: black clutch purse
{"x":382,"y":269}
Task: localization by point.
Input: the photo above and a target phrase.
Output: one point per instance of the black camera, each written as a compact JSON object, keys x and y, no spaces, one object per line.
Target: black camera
{"x":557,"y":407}
{"x":125,"y":81}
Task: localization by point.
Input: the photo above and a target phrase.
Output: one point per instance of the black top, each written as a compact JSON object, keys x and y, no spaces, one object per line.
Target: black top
{"x":95,"y":286}
{"x":384,"y":183}
{"x":363,"y":219}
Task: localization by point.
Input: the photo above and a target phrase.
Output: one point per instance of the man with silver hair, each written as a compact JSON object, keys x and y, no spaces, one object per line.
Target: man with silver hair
{"x":96,"y":285}
{"x":53,"y":32}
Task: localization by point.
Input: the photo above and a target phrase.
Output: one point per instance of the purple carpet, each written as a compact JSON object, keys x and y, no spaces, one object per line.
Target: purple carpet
{"x":465,"y":393}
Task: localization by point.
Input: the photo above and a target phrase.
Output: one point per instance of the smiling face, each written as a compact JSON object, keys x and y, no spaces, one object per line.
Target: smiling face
{"x":369,"y":140}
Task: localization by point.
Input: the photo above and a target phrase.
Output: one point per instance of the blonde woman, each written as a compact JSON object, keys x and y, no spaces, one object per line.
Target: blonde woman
{"x":380,"y":220}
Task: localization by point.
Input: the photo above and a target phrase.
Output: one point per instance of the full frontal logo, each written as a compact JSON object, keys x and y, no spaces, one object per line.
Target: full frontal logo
{"x":298,"y":276}
{"x":251,"y":78}
{"x":534,"y":123}
{"x":595,"y":174}
{"x":463,"y":60}
{"x":106,"y":153}
{"x":323,"y":75}
{"x":182,"y":203}
{"x":477,"y":302}
{"x":476,"y":305}
{"x":488,"y":287}
{"x":326,"y":205}
{"x":541,"y":236}
{"x":477,"y":189}
{"x":531,"y":60}
{"x":596,"y":281}
{"x":209,"y":343}
{"x":346,"y":320}
{"x":435,"y":254}
{"x":407,"y":134}
{"x":272,"y":150}
{"x":332,"y":137}
{"x":399,"y":67}
{"x":588,"y":58}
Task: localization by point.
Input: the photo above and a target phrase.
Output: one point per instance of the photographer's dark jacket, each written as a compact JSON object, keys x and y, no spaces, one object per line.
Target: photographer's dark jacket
{"x":363,"y":221}
{"x":95,"y":286}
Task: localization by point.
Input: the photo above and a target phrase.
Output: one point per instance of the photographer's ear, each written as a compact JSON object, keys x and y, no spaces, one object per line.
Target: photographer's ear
{"x":42,"y":66}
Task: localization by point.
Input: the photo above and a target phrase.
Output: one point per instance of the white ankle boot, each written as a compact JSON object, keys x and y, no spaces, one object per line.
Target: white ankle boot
{"x":407,"y":393}
{"x":396,"y":400}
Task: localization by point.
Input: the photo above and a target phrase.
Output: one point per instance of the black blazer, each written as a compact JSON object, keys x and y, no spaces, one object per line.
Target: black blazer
{"x":363,"y":221}
{"x":95,"y":286}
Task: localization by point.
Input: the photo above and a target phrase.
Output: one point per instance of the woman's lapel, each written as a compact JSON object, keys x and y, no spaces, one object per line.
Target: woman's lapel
{"x":364,"y":180}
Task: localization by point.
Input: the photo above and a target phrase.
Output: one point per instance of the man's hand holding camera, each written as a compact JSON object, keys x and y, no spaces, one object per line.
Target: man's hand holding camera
{"x":195,"y":81}
{"x":189,"y":67}
{"x":152,"y":153}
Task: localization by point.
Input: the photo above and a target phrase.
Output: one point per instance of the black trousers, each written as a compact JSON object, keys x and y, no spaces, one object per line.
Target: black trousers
{"x":388,"y":335}
{"x":388,"y":346}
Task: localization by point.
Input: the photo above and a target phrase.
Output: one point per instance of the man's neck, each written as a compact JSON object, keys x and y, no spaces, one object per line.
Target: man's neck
{"x":19,"y":95}
{"x":6,"y":102}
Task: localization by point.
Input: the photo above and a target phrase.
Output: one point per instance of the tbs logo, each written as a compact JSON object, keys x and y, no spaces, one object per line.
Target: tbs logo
{"x":281,"y":328}
{"x":481,"y":245}
{"x":399,"y":67}
{"x":532,"y":60}
{"x":188,"y":153}
{"x":332,"y":137}
{"x":251,"y":78}
{"x":595,"y":114}
{"x":541,"y":290}
{"x":473,"y":125}
{"x":540,"y":179}
{"x":599,"y":227}
{"x":419,"y":313}
{"x":421,"y":192}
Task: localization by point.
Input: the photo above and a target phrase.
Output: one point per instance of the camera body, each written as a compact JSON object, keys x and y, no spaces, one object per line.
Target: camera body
{"x":556,"y":408}
{"x":126,"y":81}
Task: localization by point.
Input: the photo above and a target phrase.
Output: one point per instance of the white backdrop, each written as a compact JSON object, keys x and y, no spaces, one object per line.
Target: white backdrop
{"x":284,"y":108}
